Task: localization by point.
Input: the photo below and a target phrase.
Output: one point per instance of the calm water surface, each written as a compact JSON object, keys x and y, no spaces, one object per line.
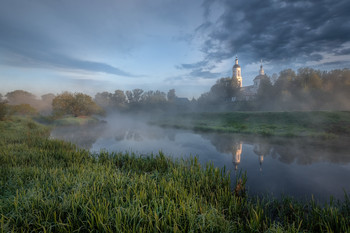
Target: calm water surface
{"x":274,"y":166}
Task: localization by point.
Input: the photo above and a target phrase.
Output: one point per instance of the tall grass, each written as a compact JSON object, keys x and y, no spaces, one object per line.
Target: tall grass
{"x":53,"y":186}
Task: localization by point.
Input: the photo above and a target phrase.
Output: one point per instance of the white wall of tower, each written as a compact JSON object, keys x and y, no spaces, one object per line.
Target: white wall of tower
{"x":236,"y":72}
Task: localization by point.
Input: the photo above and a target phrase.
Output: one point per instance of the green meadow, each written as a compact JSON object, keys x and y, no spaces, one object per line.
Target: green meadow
{"x":53,"y":186}
{"x":326,"y":125}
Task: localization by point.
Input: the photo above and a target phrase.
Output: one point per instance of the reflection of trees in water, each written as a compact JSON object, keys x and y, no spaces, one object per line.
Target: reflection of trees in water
{"x":171,"y":135}
{"x":308,"y":152}
{"x":285,"y":150}
{"x":82,"y":136}
{"x":133,"y":135}
{"x":86,"y":136}
{"x":119,"y":135}
{"x":224,"y":143}
{"x":138,"y":135}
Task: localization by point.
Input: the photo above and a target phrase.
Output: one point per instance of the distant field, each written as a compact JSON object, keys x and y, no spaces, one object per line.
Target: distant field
{"x":288,"y":124}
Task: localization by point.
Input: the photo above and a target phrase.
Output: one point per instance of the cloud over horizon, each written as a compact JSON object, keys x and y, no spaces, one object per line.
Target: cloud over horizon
{"x":148,"y":43}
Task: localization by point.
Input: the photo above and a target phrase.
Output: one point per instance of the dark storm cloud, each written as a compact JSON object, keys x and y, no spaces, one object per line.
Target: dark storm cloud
{"x":194,"y":74}
{"x":199,"y":69}
{"x":203,"y":74}
{"x":334,"y":64}
{"x":343,"y":52}
{"x":192,"y":65}
{"x":277,"y":30}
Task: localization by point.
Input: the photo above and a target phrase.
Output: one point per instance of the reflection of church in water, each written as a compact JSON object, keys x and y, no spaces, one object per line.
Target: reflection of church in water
{"x":260,"y":150}
{"x":233,"y":144}
{"x":236,"y":153}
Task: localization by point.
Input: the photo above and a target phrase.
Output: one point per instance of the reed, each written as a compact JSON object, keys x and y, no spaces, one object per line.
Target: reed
{"x":53,"y":186}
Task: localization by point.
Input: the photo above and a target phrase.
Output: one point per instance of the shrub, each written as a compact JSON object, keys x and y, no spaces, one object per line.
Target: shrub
{"x":77,"y":104}
{"x":22,"y":109}
{"x":3,"y":110}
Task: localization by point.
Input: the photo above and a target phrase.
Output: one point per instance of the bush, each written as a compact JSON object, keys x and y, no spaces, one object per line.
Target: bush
{"x":77,"y":104}
{"x":3,"y":110}
{"x":22,"y":109}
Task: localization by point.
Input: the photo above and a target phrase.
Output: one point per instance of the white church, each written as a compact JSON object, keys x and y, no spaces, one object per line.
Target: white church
{"x":247,"y":92}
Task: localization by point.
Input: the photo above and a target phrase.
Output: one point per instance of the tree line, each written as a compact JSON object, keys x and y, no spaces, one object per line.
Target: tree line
{"x":306,"y":89}
{"x":20,"y":102}
{"x":120,"y":99}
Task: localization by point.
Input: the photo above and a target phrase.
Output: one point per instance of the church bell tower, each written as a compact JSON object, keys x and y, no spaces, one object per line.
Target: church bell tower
{"x":261,"y":71}
{"x":236,"y":72}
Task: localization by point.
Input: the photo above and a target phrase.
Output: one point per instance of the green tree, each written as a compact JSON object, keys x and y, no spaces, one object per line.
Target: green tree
{"x":104,"y":99}
{"x":47,"y":98}
{"x":206,"y":98}
{"x":284,"y":88}
{"x":20,"y":97}
{"x":336,"y":87}
{"x":134,"y":96}
{"x":153,"y":97}
{"x":22,"y":109}
{"x":309,"y":79}
{"x":171,"y":95}
{"x":285,"y":80}
{"x":225,"y":88}
{"x":265,"y":95}
{"x":118,"y":99}
{"x":77,"y":104}
{"x":63,"y":104}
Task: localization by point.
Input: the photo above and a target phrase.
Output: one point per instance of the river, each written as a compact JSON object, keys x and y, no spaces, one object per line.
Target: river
{"x":275,"y":166}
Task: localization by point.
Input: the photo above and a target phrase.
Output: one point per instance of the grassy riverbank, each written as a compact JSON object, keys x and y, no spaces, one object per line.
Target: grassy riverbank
{"x":52,"y":186}
{"x":67,"y":120}
{"x":286,"y":124}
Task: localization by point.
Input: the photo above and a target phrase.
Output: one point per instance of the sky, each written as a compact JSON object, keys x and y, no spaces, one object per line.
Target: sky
{"x":90,"y":46}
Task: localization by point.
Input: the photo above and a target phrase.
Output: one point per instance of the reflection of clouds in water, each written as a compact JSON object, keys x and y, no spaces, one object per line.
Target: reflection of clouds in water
{"x":82,"y":136}
{"x":305,"y":154}
{"x":180,"y":144}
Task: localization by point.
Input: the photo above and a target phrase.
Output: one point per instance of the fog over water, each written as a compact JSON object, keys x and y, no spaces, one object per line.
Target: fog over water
{"x":274,"y":166}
